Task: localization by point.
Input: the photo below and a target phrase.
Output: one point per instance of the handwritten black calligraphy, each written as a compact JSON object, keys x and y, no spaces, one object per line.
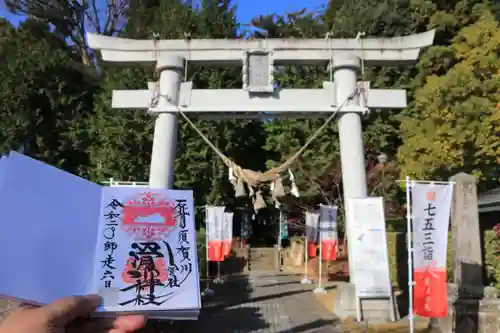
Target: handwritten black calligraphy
{"x":110,"y":246}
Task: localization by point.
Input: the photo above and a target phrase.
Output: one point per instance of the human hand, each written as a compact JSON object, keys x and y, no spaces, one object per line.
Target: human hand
{"x":68,"y":315}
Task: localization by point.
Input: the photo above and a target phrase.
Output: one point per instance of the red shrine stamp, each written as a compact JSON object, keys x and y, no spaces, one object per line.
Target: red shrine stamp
{"x":148,"y":217}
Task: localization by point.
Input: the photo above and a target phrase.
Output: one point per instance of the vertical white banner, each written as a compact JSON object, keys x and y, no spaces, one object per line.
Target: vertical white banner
{"x":227,"y":230}
{"x":328,"y":222}
{"x":215,"y":220}
{"x":312,"y":224}
{"x":227,"y":233}
{"x":431,"y":219}
{"x":328,"y":232}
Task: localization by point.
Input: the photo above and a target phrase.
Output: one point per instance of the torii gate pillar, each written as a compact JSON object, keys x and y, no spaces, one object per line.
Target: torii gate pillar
{"x":161,"y":173}
{"x":345,"y":68}
{"x":350,"y":132}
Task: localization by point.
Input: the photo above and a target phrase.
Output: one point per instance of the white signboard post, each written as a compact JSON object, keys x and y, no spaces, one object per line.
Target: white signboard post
{"x":368,"y":249}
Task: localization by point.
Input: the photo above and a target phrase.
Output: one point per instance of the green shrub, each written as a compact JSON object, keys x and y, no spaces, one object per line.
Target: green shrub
{"x":201,"y":246}
{"x":492,"y":244}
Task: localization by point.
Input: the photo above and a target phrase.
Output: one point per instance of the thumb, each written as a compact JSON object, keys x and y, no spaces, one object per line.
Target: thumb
{"x":64,"y":310}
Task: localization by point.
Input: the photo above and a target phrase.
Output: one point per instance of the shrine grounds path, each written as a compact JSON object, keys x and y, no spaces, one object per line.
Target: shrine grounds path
{"x":258,"y":302}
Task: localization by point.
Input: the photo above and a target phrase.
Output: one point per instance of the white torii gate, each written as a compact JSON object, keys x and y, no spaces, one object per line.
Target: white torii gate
{"x":258,"y":97}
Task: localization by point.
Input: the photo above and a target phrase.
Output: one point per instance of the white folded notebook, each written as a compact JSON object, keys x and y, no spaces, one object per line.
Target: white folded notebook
{"x":63,"y":235}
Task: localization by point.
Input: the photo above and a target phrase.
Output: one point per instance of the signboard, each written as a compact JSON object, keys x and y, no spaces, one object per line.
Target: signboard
{"x":368,"y":246}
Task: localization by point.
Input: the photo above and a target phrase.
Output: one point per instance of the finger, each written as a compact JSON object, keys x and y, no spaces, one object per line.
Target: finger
{"x":94,"y":325}
{"x":117,"y":330}
{"x":130,"y":323}
{"x":66,"y":309}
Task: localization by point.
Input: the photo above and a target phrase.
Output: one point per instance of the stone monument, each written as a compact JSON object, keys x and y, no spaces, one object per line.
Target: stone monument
{"x":472,"y":307}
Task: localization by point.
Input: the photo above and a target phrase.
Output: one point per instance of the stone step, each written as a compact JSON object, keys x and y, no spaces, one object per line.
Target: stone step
{"x":262,"y":263}
{"x":262,"y":259}
{"x":264,"y":268}
{"x":267,"y":260}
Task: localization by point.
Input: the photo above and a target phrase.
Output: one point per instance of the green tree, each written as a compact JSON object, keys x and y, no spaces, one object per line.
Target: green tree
{"x":447,"y":18}
{"x":453,"y":125}
{"x":70,"y":20}
{"x":123,"y":139}
{"x":123,"y":148}
{"x":44,"y":100}
{"x":321,"y":159}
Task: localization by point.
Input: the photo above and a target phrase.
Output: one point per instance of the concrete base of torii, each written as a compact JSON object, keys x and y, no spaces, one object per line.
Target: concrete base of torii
{"x":374,"y":310}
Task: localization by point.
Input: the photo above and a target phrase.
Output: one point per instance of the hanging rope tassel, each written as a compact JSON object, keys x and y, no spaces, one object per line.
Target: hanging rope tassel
{"x":278,"y":191}
{"x":259,"y":202}
{"x":239,"y":189}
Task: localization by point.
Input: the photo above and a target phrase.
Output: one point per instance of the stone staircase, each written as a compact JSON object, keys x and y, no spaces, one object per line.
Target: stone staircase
{"x":263,"y":259}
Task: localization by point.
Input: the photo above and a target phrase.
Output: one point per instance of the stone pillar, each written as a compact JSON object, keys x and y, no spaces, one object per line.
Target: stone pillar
{"x":472,"y":307}
{"x":352,"y":153}
{"x":465,"y":232}
{"x":161,"y":173}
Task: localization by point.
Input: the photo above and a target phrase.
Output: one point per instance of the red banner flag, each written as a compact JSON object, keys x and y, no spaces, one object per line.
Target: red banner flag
{"x":328,"y":232}
{"x":214,"y":222}
{"x":431,"y":218}
{"x":430,"y":292}
{"x":227,"y":234}
{"x":329,"y":249}
{"x":311,"y":250}
{"x":215,"y":251}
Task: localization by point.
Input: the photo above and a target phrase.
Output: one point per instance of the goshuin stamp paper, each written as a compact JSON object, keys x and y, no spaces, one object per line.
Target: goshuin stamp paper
{"x":146,"y":253}
{"x":64,"y":235}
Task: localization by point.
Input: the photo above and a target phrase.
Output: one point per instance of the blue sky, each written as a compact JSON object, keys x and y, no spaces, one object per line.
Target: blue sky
{"x":247,"y":9}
